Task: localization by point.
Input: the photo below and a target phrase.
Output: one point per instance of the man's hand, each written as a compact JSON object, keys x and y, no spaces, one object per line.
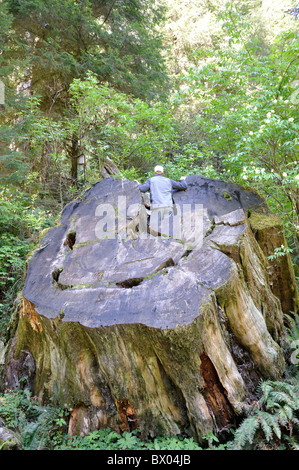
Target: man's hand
{"x":182,"y":178}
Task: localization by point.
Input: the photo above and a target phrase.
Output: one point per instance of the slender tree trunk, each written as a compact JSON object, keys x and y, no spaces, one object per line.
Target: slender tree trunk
{"x":74,"y":159}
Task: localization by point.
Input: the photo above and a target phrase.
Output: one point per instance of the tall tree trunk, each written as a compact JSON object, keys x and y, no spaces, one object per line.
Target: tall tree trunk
{"x":74,"y":155}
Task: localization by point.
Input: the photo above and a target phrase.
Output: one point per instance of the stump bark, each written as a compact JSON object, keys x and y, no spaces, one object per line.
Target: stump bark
{"x":165,"y":335}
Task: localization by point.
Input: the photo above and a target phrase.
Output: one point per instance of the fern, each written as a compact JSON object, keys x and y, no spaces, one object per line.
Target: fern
{"x":268,"y":424}
{"x":35,"y":433}
{"x":275,"y":416}
{"x":293,"y":444}
{"x":293,"y":328}
{"x":35,"y":423}
{"x":245,"y":432}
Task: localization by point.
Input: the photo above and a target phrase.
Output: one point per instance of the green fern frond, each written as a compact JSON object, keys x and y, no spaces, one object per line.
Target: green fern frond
{"x":277,"y":394}
{"x":246,"y":432}
{"x":265,"y":390}
{"x":265,"y":425}
{"x":279,"y":399}
{"x":285,"y":414}
{"x":294,"y":444}
{"x":269,"y":424}
{"x":293,"y":329}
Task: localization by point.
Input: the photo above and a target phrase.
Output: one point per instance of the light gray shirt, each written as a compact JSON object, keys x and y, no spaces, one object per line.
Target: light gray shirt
{"x":161,"y":190}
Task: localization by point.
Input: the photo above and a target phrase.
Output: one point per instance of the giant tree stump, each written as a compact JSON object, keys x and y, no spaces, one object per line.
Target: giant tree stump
{"x":154,"y":333}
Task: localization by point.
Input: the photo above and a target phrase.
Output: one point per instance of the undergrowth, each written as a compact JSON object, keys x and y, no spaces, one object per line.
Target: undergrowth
{"x":36,"y":427}
{"x":272,"y":422}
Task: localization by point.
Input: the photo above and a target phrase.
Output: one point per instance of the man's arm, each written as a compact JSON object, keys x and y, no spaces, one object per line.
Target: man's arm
{"x":145,"y":187}
{"x":179,"y":185}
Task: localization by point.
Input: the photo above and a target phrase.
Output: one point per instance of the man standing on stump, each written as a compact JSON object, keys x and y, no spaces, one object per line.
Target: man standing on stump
{"x":161,"y":191}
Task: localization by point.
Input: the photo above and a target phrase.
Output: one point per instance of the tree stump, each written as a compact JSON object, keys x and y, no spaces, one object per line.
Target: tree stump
{"x":159,"y":333}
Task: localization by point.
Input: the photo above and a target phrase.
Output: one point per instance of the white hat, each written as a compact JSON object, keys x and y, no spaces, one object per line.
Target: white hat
{"x":159,"y":168}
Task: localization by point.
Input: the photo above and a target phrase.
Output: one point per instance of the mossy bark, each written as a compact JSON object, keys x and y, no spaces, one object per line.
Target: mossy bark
{"x":268,"y":231}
